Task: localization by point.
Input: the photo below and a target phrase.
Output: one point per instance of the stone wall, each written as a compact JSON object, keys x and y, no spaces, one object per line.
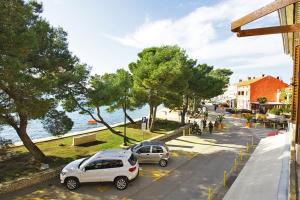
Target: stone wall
{"x":30,"y":180}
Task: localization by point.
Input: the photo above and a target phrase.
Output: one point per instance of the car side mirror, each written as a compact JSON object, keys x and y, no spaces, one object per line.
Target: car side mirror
{"x":83,"y":169}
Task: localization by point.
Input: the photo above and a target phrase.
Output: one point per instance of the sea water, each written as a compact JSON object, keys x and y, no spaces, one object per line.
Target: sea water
{"x":35,"y":128}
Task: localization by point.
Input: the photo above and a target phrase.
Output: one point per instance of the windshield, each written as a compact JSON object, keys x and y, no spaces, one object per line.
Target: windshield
{"x":83,"y":161}
{"x":137,"y":146}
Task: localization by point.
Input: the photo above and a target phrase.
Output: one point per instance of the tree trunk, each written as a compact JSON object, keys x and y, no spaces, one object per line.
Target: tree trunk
{"x":101,"y":121}
{"x":128,"y":117}
{"x":194,"y":105}
{"x":150,"y":116}
{"x":184,"y":110}
{"x":153,"y":118}
{"x":32,"y":148}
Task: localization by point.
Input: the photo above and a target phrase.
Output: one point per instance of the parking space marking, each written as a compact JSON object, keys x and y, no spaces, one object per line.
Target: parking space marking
{"x":158,"y":174}
{"x":102,"y":188}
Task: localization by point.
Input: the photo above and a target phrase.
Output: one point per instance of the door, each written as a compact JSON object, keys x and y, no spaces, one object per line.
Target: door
{"x":93,"y":172}
{"x":143,"y":154}
{"x":157,"y":153}
{"x":111,"y":169}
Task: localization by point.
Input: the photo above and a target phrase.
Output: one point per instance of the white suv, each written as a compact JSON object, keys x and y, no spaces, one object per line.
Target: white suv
{"x":118,"y":166}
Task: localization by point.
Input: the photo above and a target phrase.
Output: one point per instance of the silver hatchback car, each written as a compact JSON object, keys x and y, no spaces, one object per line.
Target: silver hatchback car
{"x":152,"y":152}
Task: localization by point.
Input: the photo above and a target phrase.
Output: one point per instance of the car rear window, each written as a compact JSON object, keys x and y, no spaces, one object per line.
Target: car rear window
{"x":132,"y":160}
{"x":157,"y":149}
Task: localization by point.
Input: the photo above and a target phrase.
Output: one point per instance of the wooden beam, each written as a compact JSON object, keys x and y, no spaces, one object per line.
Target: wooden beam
{"x":269,"y":30}
{"x":276,"y":5}
{"x":296,"y":91}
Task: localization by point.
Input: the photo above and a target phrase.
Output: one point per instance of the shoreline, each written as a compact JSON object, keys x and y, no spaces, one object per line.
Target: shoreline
{"x":160,"y":114}
{"x":92,"y":130}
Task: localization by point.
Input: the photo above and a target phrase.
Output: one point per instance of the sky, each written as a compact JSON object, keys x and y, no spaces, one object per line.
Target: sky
{"x":108,"y":34}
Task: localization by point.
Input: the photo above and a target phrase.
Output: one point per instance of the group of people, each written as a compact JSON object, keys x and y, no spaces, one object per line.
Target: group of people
{"x":197,"y":130}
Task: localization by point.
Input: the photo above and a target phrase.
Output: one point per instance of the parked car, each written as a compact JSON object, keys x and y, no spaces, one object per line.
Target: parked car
{"x":152,"y":152}
{"x":118,"y":166}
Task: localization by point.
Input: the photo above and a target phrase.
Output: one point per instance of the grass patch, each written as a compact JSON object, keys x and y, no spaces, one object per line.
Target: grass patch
{"x":61,"y":151}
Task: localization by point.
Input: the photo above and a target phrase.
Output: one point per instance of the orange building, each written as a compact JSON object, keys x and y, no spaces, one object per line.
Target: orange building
{"x":265,"y":86}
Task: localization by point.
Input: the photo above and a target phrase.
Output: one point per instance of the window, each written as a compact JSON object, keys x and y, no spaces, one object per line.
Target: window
{"x":132,"y":160}
{"x":116,"y":163}
{"x":104,"y":164}
{"x":94,"y":165}
{"x":145,"y":149}
{"x":157,"y":149}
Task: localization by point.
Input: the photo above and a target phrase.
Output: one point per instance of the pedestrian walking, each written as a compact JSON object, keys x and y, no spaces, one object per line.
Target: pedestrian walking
{"x":210,"y":127}
{"x":204,"y":124}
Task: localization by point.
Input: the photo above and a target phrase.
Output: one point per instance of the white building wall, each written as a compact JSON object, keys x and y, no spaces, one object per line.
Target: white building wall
{"x":243,"y":97}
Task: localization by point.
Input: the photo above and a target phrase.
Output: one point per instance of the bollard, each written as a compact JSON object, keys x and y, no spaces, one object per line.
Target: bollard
{"x":189,"y":131}
{"x":252,"y":142}
{"x":247,"y":147}
{"x":183,"y":132}
{"x":209,"y":196}
{"x":241,"y":155}
{"x":234,"y":165}
{"x":225,"y":178}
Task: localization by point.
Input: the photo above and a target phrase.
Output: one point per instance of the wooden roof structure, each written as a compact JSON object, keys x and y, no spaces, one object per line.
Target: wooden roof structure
{"x":289,"y":17}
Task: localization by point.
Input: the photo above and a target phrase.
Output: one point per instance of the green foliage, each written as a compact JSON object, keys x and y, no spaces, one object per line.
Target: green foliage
{"x":205,"y":114}
{"x":248,"y":117}
{"x":285,"y":96}
{"x":159,"y":74}
{"x":123,"y":83}
{"x":57,"y":122}
{"x":275,"y":111}
{"x":235,"y":110}
{"x":286,"y":109}
{"x":220,"y":118}
{"x":262,"y":100}
{"x":34,"y":56}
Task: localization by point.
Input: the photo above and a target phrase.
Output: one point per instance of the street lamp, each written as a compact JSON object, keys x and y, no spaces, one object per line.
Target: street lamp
{"x":125,"y":100}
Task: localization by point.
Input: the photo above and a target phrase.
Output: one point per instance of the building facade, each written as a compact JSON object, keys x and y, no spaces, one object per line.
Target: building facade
{"x":250,"y":90}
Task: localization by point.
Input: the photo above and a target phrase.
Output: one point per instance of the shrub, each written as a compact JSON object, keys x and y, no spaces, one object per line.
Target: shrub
{"x":262,"y":100}
{"x":275,"y":111}
{"x":248,"y":117}
{"x":220,"y":118}
{"x":235,"y":110}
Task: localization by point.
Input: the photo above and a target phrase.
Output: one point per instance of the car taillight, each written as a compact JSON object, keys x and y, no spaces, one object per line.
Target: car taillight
{"x":132,"y":169}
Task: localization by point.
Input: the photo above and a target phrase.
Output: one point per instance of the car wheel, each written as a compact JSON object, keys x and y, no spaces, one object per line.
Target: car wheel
{"x":72,"y":183}
{"x":121,"y":183}
{"x":163,"y":163}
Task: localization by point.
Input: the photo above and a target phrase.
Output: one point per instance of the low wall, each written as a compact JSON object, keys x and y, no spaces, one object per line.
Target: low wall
{"x":170,"y":133}
{"x":83,"y":139}
{"x":30,"y":180}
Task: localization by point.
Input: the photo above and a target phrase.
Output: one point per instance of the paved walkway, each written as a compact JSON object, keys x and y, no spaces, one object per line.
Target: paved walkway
{"x":265,"y":176}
